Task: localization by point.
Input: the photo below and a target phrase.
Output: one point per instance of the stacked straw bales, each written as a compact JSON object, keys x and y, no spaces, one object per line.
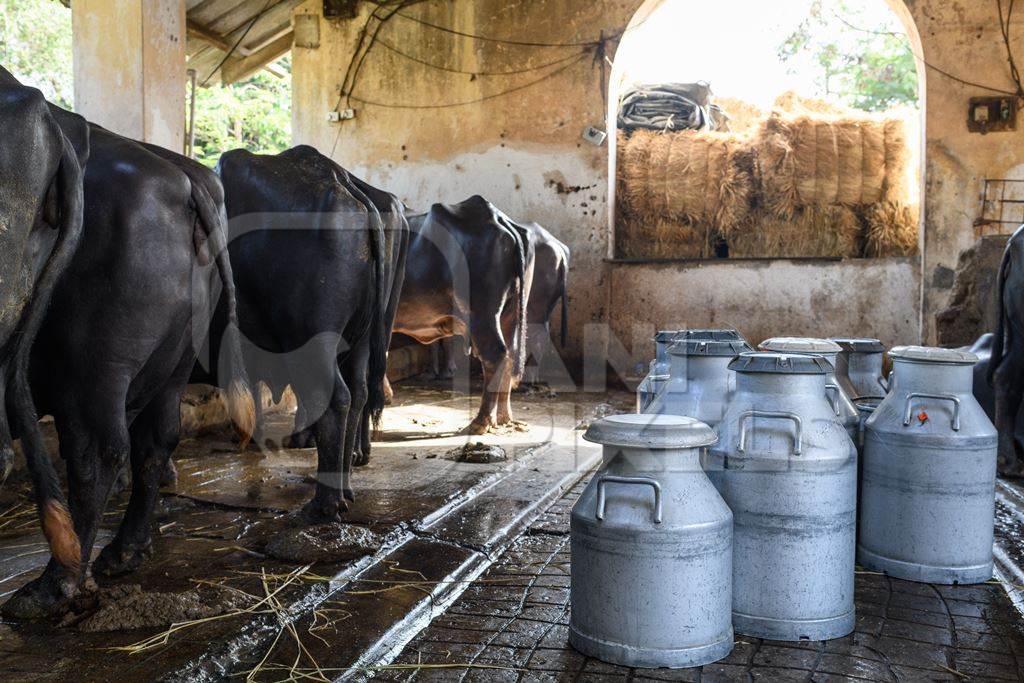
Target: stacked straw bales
{"x":811,"y":180}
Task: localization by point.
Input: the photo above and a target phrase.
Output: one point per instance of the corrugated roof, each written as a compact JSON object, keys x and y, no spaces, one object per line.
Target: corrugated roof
{"x":262,"y":30}
{"x":215,"y":26}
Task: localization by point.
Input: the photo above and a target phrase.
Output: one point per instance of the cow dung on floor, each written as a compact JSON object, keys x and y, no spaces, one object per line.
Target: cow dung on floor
{"x":323,"y":543}
{"x":127,"y":607}
{"x":478,"y":453}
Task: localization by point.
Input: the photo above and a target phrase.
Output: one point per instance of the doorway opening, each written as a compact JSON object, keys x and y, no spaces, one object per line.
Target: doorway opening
{"x":794,"y":133}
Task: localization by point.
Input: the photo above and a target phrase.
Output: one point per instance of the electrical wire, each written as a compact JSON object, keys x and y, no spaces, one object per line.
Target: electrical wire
{"x":511,"y":72}
{"x":1004,"y":28}
{"x":238,"y":42}
{"x":493,"y":95}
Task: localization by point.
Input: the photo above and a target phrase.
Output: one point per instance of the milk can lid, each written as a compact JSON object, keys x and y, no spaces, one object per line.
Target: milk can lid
{"x":780,"y":363}
{"x":799,"y":345}
{"x":857,"y":345}
{"x":633,"y":430}
{"x":932,"y":354}
{"x":709,"y":347}
{"x":704,"y":334}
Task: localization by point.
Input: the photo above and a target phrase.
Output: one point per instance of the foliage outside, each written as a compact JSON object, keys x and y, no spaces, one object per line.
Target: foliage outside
{"x":865,"y":66}
{"x":35,"y":45}
{"x":254,"y":115}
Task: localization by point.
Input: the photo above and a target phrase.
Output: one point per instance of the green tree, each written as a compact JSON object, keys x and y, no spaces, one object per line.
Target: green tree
{"x":35,"y":45}
{"x":254,"y":114}
{"x":863,"y":60}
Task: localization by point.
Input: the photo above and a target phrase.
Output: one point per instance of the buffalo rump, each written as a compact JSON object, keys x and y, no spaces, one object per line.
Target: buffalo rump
{"x":116,"y":346}
{"x":318,"y":259}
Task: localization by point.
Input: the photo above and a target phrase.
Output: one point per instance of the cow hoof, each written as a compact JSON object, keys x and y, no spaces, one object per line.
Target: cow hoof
{"x":43,"y":598}
{"x":117,"y":559}
{"x":169,"y":475}
{"x":476,"y":428}
{"x":300,"y":440}
{"x":319,"y":511}
{"x":360,"y":459}
{"x":6,"y":463}
{"x":123,"y":482}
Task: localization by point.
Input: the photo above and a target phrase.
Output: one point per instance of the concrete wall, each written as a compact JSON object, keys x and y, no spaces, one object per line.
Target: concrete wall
{"x":129,"y":58}
{"x":524,"y":151}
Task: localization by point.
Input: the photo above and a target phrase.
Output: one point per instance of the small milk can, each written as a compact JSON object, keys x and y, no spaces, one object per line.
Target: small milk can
{"x":788,"y":471}
{"x":659,"y":372}
{"x":929,"y":472}
{"x":700,"y":381}
{"x":651,"y":546}
{"x":859,"y":369}
{"x":843,"y":407}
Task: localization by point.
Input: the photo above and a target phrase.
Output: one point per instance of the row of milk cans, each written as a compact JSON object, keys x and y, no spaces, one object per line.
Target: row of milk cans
{"x":749,"y":484}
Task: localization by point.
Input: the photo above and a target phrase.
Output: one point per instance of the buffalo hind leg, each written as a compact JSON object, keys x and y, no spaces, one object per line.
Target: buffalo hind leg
{"x":95,"y":448}
{"x":154,"y":434}
{"x":304,"y":433}
{"x":329,"y":499}
{"x":356,"y":372}
{"x":1009,"y":400}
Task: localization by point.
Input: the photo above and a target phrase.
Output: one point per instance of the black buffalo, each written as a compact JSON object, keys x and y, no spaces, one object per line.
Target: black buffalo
{"x":318,"y":257}
{"x":982,"y":348}
{"x":119,"y":339}
{"x":549,"y":286}
{"x":1006,"y":367}
{"x":40,"y":227}
{"x":468,"y":273}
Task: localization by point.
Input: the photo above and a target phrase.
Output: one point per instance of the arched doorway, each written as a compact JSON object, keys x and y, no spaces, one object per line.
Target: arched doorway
{"x":787,"y":294}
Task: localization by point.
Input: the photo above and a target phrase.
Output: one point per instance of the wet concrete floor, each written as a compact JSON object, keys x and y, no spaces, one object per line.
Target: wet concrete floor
{"x":252,"y":589}
{"x":512,"y":625}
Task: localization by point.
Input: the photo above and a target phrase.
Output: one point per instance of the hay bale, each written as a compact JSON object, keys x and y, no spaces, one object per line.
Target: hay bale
{"x":791,"y":103}
{"x":743,"y":116}
{"x":640,"y":238}
{"x":833,"y":231}
{"x":821,"y":160}
{"x":891,"y":229}
{"x":776,"y":166}
{"x":897,"y":155}
{"x":686,"y":176}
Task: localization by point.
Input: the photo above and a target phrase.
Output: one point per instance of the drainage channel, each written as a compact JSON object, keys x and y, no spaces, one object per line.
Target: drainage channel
{"x":1008,"y":550}
{"x":390,"y":596}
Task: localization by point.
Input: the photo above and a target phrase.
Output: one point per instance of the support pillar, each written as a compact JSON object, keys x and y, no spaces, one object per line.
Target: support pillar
{"x":130,"y":67}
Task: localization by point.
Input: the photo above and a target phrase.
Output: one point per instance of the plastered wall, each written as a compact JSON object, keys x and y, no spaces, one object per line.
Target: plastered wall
{"x":526,"y":153}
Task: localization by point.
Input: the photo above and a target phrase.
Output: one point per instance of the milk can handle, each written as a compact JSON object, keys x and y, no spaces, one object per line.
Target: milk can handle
{"x":781,"y":415}
{"x":938,"y":397}
{"x":834,"y":402}
{"x":643,"y":481}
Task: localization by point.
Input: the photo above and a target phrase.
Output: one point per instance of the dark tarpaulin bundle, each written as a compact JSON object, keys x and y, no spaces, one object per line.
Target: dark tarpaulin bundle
{"x":669,"y":106}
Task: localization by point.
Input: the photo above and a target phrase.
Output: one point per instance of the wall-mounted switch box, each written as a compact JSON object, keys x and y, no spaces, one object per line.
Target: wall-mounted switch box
{"x":334,"y":116}
{"x":593,"y":135}
{"x":992,"y":114}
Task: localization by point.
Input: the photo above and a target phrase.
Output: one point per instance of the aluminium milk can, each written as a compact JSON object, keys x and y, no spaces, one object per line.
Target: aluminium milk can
{"x":929,"y":472}
{"x":700,"y":381}
{"x":788,"y":471}
{"x":651,"y":571}
{"x":843,"y":407}
{"x":859,"y":368}
{"x":659,"y":370}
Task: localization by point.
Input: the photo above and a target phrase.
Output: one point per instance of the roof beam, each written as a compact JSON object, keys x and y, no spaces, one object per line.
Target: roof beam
{"x":236,"y":69}
{"x":220,"y":42}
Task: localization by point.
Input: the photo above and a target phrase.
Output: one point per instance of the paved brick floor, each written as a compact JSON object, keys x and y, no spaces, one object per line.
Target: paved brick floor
{"x":515,"y":618}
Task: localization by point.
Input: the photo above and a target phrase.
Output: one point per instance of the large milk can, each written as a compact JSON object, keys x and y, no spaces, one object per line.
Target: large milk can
{"x":700,"y":381}
{"x":859,"y":367}
{"x":843,"y":407}
{"x":659,"y":372}
{"x":788,"y":471}
{"x":651,"y":546}
{"x":929,"y":472}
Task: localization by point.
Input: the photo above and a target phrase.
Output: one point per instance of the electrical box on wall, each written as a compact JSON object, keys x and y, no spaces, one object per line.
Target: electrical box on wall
{"x":992,"y":114}
{"x":340,"y":9}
